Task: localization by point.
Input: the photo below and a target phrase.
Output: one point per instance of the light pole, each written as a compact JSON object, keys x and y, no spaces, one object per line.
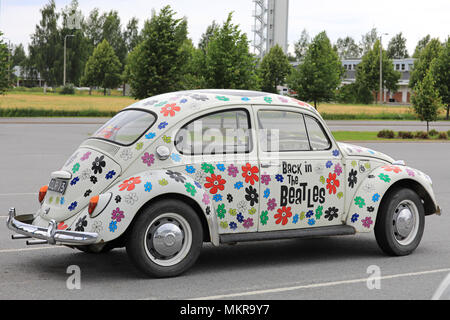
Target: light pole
{"x":381,"y":67}
{"x":65,"y":40}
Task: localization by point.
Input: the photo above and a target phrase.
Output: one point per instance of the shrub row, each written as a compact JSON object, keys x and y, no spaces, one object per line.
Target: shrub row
{"x":422,"y":135}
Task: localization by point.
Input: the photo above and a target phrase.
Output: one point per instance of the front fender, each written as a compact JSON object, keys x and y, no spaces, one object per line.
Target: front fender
{"x":130,"y":195}
{"x":366,"y":202}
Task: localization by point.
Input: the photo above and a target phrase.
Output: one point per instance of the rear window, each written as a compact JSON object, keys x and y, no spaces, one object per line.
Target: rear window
{"x":126,"y":127}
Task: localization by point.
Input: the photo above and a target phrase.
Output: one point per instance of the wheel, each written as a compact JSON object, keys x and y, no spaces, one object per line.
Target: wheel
{"x":400,"y":223}
{"x":95,"y":249}
{"x":166,"y":239}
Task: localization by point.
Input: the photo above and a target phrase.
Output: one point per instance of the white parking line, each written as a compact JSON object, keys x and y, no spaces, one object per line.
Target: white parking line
{"x":17,"y":194}
{"x":319,"y":285}
{"x":29,"y":249}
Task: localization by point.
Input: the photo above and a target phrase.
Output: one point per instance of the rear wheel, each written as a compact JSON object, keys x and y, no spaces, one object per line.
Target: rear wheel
{"x":166,"y":239}
{"x":400,"y":223}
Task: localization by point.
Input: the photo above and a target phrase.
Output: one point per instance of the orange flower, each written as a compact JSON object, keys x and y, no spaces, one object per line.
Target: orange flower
{"x":283,"y":215}
{"x":250,"y":174}
{"x":332,"y":183}
{"x":392,"y":168}
{"x":130,"y":184}
{"x":170,"y":110}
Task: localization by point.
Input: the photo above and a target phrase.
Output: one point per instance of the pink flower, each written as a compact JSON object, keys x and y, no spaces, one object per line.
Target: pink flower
{"x":148,"y":159}
{"x":271,"y":204}
{"x":265,"y":179}
{"x":338,"y":169}
{"x":410,"y":173}
{"x":367,"y":222}
{"x":118,"y":215}
{"x":233,"y":171}
{"x":248,"y":223}
{"x":206,"y":199}
{"x":86,"y":156}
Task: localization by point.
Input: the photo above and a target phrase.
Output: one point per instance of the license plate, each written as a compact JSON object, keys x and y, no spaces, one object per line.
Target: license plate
{"x":57,"y":185}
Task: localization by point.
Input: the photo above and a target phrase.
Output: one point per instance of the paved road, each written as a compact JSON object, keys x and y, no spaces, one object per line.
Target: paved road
{"x":328,"y":268}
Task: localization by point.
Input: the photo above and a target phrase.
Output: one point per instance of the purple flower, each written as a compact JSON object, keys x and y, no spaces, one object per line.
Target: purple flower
{"x":338,"y":169}
{"x":336,"y":153}
{"x":233,"y":225}
{"x":86,"y":156}
{"x":110,"y":175}
{"x":367,"y":222}
{"x":329,"y":164}
{"x":355,"y":218}
{"x":73,"y":206}
{"x":271,"y":204}
{"x":265,"y":179}
{"x":248,"y":223}
{"x":74,"y":181}
{"x":118,"y":215}
{"x":240,"y":218}
{"x":148,"y":159}
{"x":233,"y":171}
{"x":206,"y":199}
{"x":410,"y":173}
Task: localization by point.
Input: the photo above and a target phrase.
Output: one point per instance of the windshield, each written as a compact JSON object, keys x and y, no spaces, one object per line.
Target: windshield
{"x":126,"y":127}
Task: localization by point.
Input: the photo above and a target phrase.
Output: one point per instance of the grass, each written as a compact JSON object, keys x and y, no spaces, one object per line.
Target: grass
{"x":371,"y":136}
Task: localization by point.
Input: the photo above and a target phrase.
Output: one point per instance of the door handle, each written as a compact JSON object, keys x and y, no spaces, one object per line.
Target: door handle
{"x":269,"y":165}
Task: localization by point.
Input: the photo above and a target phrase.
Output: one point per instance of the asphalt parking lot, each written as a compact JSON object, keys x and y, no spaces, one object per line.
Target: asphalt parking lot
{"x":327,"y":268}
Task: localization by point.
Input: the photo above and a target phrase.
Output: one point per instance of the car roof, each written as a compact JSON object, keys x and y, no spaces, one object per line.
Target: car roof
{"x":191,"y":101}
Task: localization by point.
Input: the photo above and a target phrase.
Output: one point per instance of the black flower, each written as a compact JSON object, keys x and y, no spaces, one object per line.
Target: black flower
{"x":93,"y":179}
{"x":118,"y":199}
{"x":199,"y":97}
{"x":178,"y":177}
{"x":251,"y":196}
{"x":208,"y":210}
{"x":87,"y":193}
{"x":230,"y":198}
{"x":98,"y":164}
{"x":352,"y":178}
{"x":331,"y":213}
{"x":370,"y":209}
{"x":81,"y":224}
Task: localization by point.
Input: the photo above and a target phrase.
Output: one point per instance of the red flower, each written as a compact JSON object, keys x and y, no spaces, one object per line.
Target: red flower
{"x":392,"y":168}
{"x":332,"y":183}
{"x":130,"y":184}
{"x":170,"y":109}
{"x":283,"y":215}
{"x":250,"y":174}
{"x":215,"y":183}
{"x":62,"y":226}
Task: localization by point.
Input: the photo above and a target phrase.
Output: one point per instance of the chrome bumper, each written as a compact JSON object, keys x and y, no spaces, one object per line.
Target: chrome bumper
{"x":50,"y":235}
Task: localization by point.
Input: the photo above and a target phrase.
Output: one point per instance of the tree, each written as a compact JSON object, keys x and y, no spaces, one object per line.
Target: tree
{"x":209,"y":33}
{"x":368,"y":40}
{"x":318,"y":77}
{"x":301,"y":46}
{"x":131,"y":34}
{"x":4,"y":65}
{"x":103,"y":68}
{"x":18,"y":57}
{"x":368,"y":71}
{"x":94,"y":28}
{"x":155,"y":64}
{"x":228,"y":62}
{"x":421,"y":45}
{"x":423,"y":63}
{"x":426,"y":101}
{"x":397,"y":47}
{"x":440,"y":70}
{"x":112,"y":32}
{"x":347,"y":48}
{"x":274,"y":69}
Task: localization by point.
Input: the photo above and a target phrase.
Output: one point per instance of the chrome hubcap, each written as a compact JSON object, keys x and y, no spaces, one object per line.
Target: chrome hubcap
{"x":406,"y":222}
{"x":168,"y":239}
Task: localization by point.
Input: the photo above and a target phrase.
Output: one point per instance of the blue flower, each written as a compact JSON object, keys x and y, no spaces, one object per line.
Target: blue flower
{"x":198,"y":185}
{"x":295,"y":219}
{"x":190,"y":169}
{"x":62,"y":201}
{"x":240,"y":218}
{"x":329,"y":164}
{"x":245,"y":99}
{"x":355,"y":217}
{"x":310,"y":214}
{"x":238,"y":185}
{"x":311,"y":222}
{"x":113,"y":226}
{"x":233,"y":225}
{"x":217,"y":198}
{"x":175,"y":157}
{"x":150,"y":136}
{"x":279,"y":178}
{"x":267,"y":193}
{"x":376,"y":197}
{"x":110,"y":175}
{"x":74,"y":181}
{"x":148,"y":187}
{"x":336,"y":153}
{"x":220,"y":167}
{"x":163,"y":125}
{"x":73,"y":206}
{"x":183,"y":100}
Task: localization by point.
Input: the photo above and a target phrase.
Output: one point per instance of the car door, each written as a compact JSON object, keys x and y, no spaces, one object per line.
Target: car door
{"x":218,"y":151}
{"x":301,"y":171}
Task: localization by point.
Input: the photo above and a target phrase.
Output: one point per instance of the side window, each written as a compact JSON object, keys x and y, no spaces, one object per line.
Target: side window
{"x":317,"y":136}
{"x":225,"y":132}
{"x":283,"y":131}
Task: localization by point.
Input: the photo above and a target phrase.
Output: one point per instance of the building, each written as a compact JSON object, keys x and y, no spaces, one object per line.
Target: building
{"x":271,"y":25}
{"x":404,"y":66}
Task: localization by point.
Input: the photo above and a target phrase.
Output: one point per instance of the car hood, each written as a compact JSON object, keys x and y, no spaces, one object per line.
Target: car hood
{"x":356,"y":151}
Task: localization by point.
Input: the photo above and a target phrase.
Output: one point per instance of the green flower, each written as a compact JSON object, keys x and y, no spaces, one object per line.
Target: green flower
{"x":367,"y":165}
{"x":322,"y":180}
{"x":302,"y":216}
{"x":268,"y":99}
{"x":360,"y":202}
{"x":224,"y":225}
{"x":264,"y":217}
{"x":222,"y":98}
{"x":252,"y":211}
{"x":163,"y":103}
{"x":163,"y":182}
{"x":139,"y":146}
{"x":354,"y":163}
{"x":50,"y":200}
{"x":232,"y":212}
{"x":221,"y":212}
{"x":167,"y":139}
{"x":385,"y":177}
{"x":208,"y":168}
{"x":190,"y":189}
{"x":340,"y":195}
{"x":319,"y":212}
{"x":75,"y":168}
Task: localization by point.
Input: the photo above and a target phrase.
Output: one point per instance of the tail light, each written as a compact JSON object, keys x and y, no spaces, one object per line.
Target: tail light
{"x":42,"y":193}
{"x":93,"y":204}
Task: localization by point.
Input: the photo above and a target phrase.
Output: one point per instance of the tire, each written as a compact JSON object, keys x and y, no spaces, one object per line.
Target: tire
{"x":165,"y":239}
{"x":95,"y":249}
{"x":398,"y":234}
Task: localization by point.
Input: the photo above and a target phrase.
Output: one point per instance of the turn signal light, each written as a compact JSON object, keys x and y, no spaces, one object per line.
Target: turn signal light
{"x":42,"y":193}
{"x":93,"y":204}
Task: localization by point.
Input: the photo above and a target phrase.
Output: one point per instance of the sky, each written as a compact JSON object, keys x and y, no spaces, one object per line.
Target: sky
{"x":339,"y":18}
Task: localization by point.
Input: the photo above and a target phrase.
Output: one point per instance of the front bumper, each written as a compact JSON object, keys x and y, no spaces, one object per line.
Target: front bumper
{"x":51,"y":234}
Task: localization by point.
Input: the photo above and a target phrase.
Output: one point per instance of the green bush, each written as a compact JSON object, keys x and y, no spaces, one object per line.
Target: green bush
{"x":443,"y":136}
{"x":422,"y":135}
{"x":68,"y":89}
{"x":433,"y":133}
{"x":387,"y":134}
{"x":405,"y":135}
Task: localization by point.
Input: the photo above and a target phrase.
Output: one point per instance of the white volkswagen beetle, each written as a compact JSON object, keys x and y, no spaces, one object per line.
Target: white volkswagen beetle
{"x":174,"y":171}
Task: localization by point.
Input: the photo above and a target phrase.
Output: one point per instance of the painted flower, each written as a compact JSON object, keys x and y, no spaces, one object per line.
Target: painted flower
{"x":367,"y":222}
{"x":394,"y":169}
{"x":110,"y":175}
{"x":360,"y":202}
{"x":233,"y":225}
{"x":190,"y":169}
{"x":376,"y":197}
{"x":242,"y":206}
{"x":250,"y":174}
{"x":332,"y":183}
{"x":148,"y":159}
{"x":126,"y":154}
{"x":178,"y":177}
{"x":93,"y":179}
{"x":384,"y":177}
{"x":206,"y":199}
{"x":252,"y":211}
{"x":81,"y":224}
{"x":248,"y":223}
{"x":217,"y":198}
{"x":113,"y":226}
{"x":162,"y":125}
{"x":266,"y":193}
{"x":222,"y":98}
{"x":139,"y":146}
{"x":370,"y":209}
{"x":338,"y":169}
{"x":74,"y":181}
{"x":118,"y":199}
{"x":220,"y":167}
{"x":118,"y":215}
{"x":130,"y":184}
{"x":150,"y":136}
{"x":170,"y":110}
{"x":86,"y":156}
{"x":98,"y":164}
{"x":268,"y":99}
{"x":232,"y":212}
{"x":245,"y":99}
{"x":283,"y":215}
{"x":229,"y":198}
{"x":295,"y":219}
{"x":208,"y":168}
{"x":85,"y":174}
{"x":131,"y":199}
{"x":265,"y":179}
{"x":148,"y":187}
{"x":175,"y":157}
{"x":311,"y":222}
{"x":215,"y":183}
{"x":199,"y":97}
{"x":221,"y":212}
{"x":410,"y":173}
{"x":355,"y":218}
{"x":309,"y":214}
{"x":319,"y":212}
{"x":352,"y":178}
{"x":233,"y":171}
{"x":87,"y":193}
{"x":279,"y":178}
{"x":62,"y":226}
{"x":238,"y":185}
{"x":73,"y":206}
{"x":190,"y":189}
{"x":251,"y":196}
{"x":329,"y":164}
{"x":264,"y":218}
{"x":271,"y":204}
{"x":240,"y":218}
{"x":163,"y":182}
{"x":75,"y":168}
{"x":336,"y":153}
{"x":331,"y":213}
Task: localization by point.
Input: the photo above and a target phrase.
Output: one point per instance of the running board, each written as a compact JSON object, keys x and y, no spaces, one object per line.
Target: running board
{"x":342,"y":230}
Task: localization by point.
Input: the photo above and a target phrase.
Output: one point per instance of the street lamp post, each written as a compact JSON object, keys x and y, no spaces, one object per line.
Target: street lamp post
{"x":65,"y":40}
{"x":381,"y":67}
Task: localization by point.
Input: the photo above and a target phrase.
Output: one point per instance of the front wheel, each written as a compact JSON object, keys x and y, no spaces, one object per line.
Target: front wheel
{"x":166,"y":239}
{"x":400,"y":223}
